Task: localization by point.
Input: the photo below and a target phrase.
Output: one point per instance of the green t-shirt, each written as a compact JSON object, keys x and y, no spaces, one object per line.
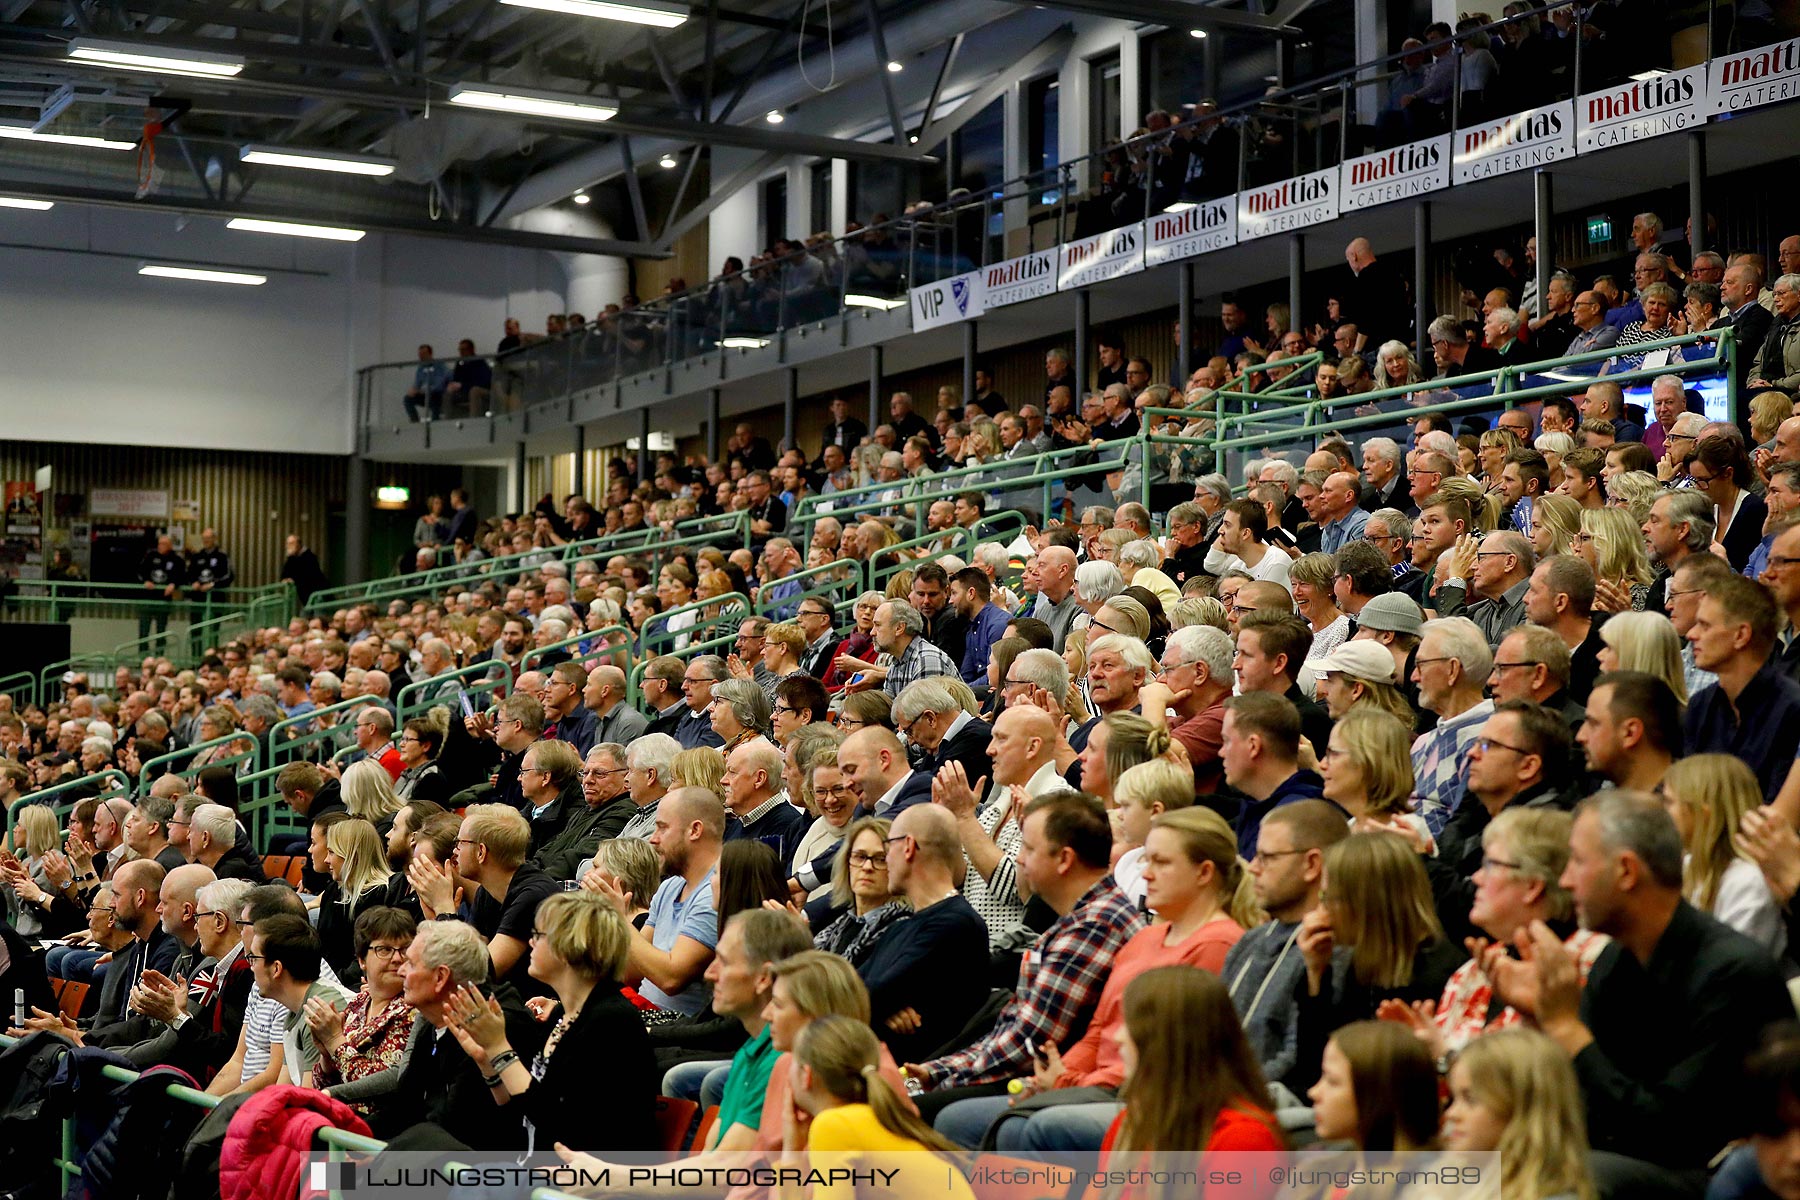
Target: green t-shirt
{"x":748,"y":1083}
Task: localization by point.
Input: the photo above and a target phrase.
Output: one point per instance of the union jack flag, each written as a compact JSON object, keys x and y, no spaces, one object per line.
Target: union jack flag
{"x":202,"y":988}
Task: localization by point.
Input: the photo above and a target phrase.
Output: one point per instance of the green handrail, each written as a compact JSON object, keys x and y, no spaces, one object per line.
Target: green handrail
{"x":720,"y":645}
{"x":878,"y":576}
{"x":263,"y":811}
{"x":531,"y":658}
{"x":732,"y":607}
{"x":408,"y":705}
{"x":833,"y":583}
{"x":285,"y":748}
{"x":188,"y":753}
{"x":120,"y":788}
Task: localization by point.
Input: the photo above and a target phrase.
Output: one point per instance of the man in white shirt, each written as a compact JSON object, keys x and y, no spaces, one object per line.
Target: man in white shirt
{"x":1240,"y":545}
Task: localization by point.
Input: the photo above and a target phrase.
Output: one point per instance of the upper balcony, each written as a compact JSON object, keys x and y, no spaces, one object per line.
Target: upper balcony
{"x":1133,"y":228}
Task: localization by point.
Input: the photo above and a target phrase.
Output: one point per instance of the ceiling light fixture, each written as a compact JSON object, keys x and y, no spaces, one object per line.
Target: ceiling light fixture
{"x":32,"y":205}
{"x":166,"y":271}
{"x":330,"y":233}
{"x":134,"y":56}
{"x":1196,"y":33}
{"x":581,"y":196}
{"x":743,"y":343}
{"x":894,"y":68}
{"x":666,"y":162}
{"x":318,"y":160}
{"x":859,"y":300}
{"x":23,"y":131}
{"x":775,"y":116}
{"x":530,"y":102}
{"x":637,"y":12}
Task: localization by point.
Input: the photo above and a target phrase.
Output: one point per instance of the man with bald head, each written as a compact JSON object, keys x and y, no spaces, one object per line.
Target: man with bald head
{"x":1259,"y":595}
{"x":921,"y":988}
{"x":671,"y":952}
{"x":614,"y":720}
{"x":874,"y":763}
{"x":1057,"y":605}
{"x":137,"y":891}
{"x":1341,"y":520}
{"x":436,"y":662}
{"x":1374,"y":297}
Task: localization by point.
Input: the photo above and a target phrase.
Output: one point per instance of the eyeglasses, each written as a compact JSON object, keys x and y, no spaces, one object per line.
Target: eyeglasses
{"x":1672,"y":593}
{"x":785,"y":708}
{"x":1701,"y":480}
{"x":850,"y":723}
{"x":597,"y":773}
{"x":1099,"y":624}
{"x":1507,"y":666}
{"x":387,"y":953}
{"x":1489,"y":864}
{"x":1415,"y":474}
{"x":1422,"y":661}
{"x":860,"y":859}
{"x":1486,"y":744}
{"x":249,"y":957}
{"x":1493,"y":554}
{"x":904,"y":837}
{"x":1777,"y":562}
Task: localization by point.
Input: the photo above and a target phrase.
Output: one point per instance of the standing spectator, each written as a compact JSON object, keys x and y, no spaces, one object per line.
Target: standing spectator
{"x":301,"y":568}
{"x":208,"y":567}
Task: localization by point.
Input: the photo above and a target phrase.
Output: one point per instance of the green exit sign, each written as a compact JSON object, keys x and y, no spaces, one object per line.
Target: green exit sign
{"x":1599,"y":230}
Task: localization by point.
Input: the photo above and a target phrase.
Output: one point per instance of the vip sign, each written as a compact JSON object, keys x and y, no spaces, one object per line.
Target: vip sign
{"x":1017,"y":279}
{"x":1200,"y":228}
{"x":1753,"y":78}
{"x":1414,"y":169}
{"x":1289,"y":205}
{"x":1536,"y":137}
{"x":947,"y":301}
{"x":1104,"y":256}
{"x":1640,"y":109}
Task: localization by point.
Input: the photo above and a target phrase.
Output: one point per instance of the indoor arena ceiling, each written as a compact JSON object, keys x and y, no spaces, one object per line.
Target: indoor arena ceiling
{"x":401,"y":90}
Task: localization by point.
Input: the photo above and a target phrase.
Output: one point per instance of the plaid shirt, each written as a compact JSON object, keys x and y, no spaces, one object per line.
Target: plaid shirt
{"x":1059,"y":986}
{"x":1440,"y":762}
{"x":922,"y":658}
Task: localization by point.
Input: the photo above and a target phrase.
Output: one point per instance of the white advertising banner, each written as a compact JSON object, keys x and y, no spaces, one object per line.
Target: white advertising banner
{"x":1018,"y":279}
{"x":1414,"y":169}
{"x":1753,"y":78}
{"x":947,"y":301}
{"x":1536,"y":137}
{"x":1640,"y":109}
{"x":1103,"y":256}
{"x":1201,"y":228}
{"x":1289,"y":205}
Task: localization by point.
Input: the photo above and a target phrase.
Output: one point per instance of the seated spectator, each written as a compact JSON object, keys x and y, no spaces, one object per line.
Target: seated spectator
{"x":437,"y":1084}
{"x":1260,"y":747}
{"x":674,"y":946}
{"x":1189,"y":700}
{"x":579,"y":950}
{"x":1366,"y":769}
{"x":430,"y":378}
{"x":421,"y":777}
{"x":874,"y":763}
{"x":1270,"y":650}
{"x":212,"y":842}
{"x":1452,"y":667}
{"x":752,"y":793}
{"x":1376,"y":1088}
{"x":1707,"y":796}
{"x":928,"y":714}
{"x":1652,"y":1033}
{"x":285,"y":962}
{"x":1767,"y":1166}
{"x":1632,"y":731}
{"x":1514,"y":1094}
{"x":500,"y":892}
{"x":1753,"y":711}
{"x":860,"y":893}
{"x":1646,"y":642}
{"x":356,"y":860}
{"x":1375,"y":936}
{"x":201,"y":1027}
{"x":1721,"y":472}
{"x":606,"y":809}
{"x":370,"y":1034}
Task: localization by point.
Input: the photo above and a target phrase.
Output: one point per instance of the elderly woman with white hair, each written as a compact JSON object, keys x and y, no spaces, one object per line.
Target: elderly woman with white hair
{"x":1140,"y":562}
{"x":1096,"y":582}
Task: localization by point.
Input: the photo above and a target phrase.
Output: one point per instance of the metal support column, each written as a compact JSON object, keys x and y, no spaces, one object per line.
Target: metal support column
{"x":1422,"y":305}
{"x":356,"y":518}
{"x":1081,"y":345}
{"x":712,"y":425}
{"x":1184,"y":325}
{"x":1696,"y":142}
{"x":1543,"y":211}
{"x":790,"y":405}
{"x":1296,"y":272}
{"x":519,"y":484}
{"x":578,"y":475}
{"x":968,"y":372}
{"x":643,"y":454}
{"x":874,"y":388}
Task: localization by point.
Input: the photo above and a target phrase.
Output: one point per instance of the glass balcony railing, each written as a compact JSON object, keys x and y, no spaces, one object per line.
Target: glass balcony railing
{"x":1533,"y":88}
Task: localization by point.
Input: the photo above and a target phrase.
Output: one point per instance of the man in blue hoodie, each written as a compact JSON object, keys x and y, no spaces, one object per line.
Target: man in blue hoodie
{"x":1260,"y":748}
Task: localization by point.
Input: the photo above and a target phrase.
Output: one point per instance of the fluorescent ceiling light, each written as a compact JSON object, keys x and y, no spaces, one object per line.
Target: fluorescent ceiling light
{"x":1647,"y":76}
{"x":775,"y":117}
{"x":137,"y":57}
{"x":532,"y":103}
{"x":637,"y":12}
{"x":330,"y":233}
{"x":318,"y":160}
{"x":33,"y":205}
{"x":22,"y":131}
{"x":743,"y":343}
{"x":857,"y":300}
{"x":894,"y":67}
{"x":165,"y":271}
{"x":1197,"y":33}
{"x":667,"y":162}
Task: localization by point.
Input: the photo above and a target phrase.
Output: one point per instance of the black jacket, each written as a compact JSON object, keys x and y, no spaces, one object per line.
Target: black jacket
{"x":441,"y":1085}
{"x":1452,"y":869}
{"x":969,"y":747}
{"x":605,"y":1041}
{"x":582,"y":835}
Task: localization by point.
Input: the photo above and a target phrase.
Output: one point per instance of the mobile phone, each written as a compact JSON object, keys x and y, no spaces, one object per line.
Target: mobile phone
{"x":571,"y":885}
{"x":858,"y":677}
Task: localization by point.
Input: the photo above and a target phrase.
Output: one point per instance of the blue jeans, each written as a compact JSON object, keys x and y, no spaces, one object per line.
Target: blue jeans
{"x":703,"y":1082}
{"x":75,"y":964}
{"x":1061,"y":1127}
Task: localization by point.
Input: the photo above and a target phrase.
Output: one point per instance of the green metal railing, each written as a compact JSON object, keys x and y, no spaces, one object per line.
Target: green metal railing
{"x":181,"y":762}
{"x":828,"y":587}
{"x":531,"y":658}
{"x":117,"y":785}
{"x":302,"y":737}
{"x":733,"y":607}
{"x":962,"y":544}
{"x":474,"y":679}
{"x":700,"y":531}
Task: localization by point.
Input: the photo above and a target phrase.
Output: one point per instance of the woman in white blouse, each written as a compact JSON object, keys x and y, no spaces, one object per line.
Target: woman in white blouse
{"x":1707,"y":795}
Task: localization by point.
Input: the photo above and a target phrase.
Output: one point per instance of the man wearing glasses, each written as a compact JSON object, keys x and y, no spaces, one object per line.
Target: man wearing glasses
{"x":817,"y":621}
{"x":566,"y":718}
{"x":695,"y":728}
{"x":1782,"y":575}
{"x":1592,"y":333}
{"x":608,"y":806}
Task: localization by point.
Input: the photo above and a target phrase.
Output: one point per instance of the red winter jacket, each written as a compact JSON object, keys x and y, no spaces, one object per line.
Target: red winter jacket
{"x":266,"y":1146}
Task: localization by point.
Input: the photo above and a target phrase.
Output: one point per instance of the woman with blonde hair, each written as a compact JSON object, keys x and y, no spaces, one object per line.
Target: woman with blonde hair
{"x":1378,"y":902}
{"x":34,"y":835}
{"x":1515,"y":1093}
{"x":1612,"y":543}
{"x":1492,"y":449}
{"x":845,"y":1114}
{"x":1635,"y":492}
{"x":859,"y":885}
{"x":1310,"y":579}
{"x":1144,"y":793}
{"x":356,"y":860}
{"x":1647,"y":642}
{"x":1367,"y":767}
{"x":1118,"y":742}
{"x":1484,"y":506}
{"x":1553,"y":446}
{"x":1555,"y":521}
{"x":1074,"y":656}
{"x":1199,"y":610}
{"x":701,"y":767}
{"x":368,"y":793}
{"x":1398,"y":367}
{"x":1707,"y":796}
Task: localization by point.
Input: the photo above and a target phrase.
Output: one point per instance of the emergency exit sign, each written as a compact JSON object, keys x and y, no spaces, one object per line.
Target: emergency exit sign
{"x":1599,"y":230}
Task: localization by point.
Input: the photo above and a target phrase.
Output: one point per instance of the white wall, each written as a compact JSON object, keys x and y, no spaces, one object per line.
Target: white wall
{"x":733,"y":227}
{"x":95,"y":352}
